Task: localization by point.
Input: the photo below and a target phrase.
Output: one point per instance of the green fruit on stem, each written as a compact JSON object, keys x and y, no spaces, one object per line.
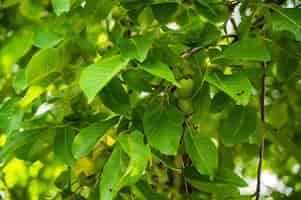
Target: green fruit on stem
{"x":186,"y":88}
{"x":185,"y":105}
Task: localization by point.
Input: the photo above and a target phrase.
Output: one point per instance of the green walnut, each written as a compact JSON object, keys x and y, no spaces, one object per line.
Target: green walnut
{"x":186,"y":88}
{"x":185,"y":105}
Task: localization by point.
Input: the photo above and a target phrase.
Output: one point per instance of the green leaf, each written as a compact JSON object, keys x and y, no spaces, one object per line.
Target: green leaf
{"x":96,"y":76}
{"x":239,"y":198}
{"x":236,"y":86}
{"x":229,"y":177}
{"x":164,"y":11}
{"x":136,"y":47}
{"x":163,"y":127}
{"x":41,"y":64}
{"x":11,"y":116}
{"x":32,"y":9}
{"x":247,"y":49}
{"x":32,"y":93}
{"x":287,"y":19}
{"x":98,"y":9}
{"x":239,"y":125}
{"x":13,"y":50}
{"x":113,"y":171}
{"x":44,"y":37}
{"x":215,"y":188}
{"x":202,"y":152}
{"x":34,"y":149}
{"x":159,"y":69}
{"x":8,"y":3}
{"x":201,"y":104}
{"x":219,"y":102}
{"x":115,"y":97}
{"x":19,"y":82}
{"x":146,"y":192}
{"x":61,"y":6}
{"x":17,"y":139}
{"x":63,"y":179}
{"x":278,"y":115}
{"x":63,"y":145}
{"x":138,"y":152}
{"x":165,"y":161}
{"x":138,"y":80}
{"x":87,"y":138}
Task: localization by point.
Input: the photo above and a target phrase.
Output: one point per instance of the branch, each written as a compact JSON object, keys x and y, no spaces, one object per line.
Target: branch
{"x":189,"y":52}
{"x":261,"y":146}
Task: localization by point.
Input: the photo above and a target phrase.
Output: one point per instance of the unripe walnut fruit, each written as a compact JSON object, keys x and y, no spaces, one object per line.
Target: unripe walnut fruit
{"x":186,"y":88}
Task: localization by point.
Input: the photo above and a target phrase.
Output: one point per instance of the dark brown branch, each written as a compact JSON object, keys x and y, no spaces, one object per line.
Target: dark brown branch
{"x":261,"y":146}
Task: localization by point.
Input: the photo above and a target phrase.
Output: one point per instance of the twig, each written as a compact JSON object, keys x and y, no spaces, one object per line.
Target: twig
{"x":261,"y":146}
{"x":190,"y":51}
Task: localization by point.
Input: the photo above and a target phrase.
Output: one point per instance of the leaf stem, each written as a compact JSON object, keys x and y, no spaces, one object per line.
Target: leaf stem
{"x":261,"y":146}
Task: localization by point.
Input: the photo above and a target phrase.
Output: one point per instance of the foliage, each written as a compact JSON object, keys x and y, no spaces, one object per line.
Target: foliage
{"x":152,"y":99}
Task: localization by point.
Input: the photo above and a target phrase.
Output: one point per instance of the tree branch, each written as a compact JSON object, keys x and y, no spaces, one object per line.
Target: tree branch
{"x":261,"y":146}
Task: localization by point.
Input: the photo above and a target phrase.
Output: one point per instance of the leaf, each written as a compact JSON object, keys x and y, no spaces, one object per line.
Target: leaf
{"x":96,"y":76}
{"x":159,"y":69}
{"x":44,"y":37}
{"x":125,"y":172}
{"x":163,"y":127}
{"x":63,"y":179}
{"x":34,"y":149}
{"x":61,"y":6}
{"x":11,"y":116}
{"x":8,"y":3}
{"x":239,"y":198}
{"x":278,"y":115}
{"x":239,"y":125}
{"x":236,"y":86}
{"x":41,"y":64}
{"x":146,"y":192}
{"x":63,"y":145}
{"x":164,"y":11}
{"x":98,"y":9}
{"x":136,"y":47}
{"x":115,"y":97}
{"x":229,"y":177}
{"x":165,"y":161}
{"x":219,"y":102}
{"x":32,"y":9}
{"x":137,"y":80}
{"x":201,"y":104}
{"x":287,"y":19}
{"x":87,"y":138}
{"x":246,"y":49}
{"x":32,"y":93}
{"x":113,"y":170}
{"x":215,"y":188}
{"x":13,"y":50}
{"x":19,"y":82}
{"x":17,"y":139}
{"x":138,"y":152}
{"x":202,"y":152}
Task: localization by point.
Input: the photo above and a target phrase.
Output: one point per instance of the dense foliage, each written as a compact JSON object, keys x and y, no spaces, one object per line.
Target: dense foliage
{"x":149,"y":99}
